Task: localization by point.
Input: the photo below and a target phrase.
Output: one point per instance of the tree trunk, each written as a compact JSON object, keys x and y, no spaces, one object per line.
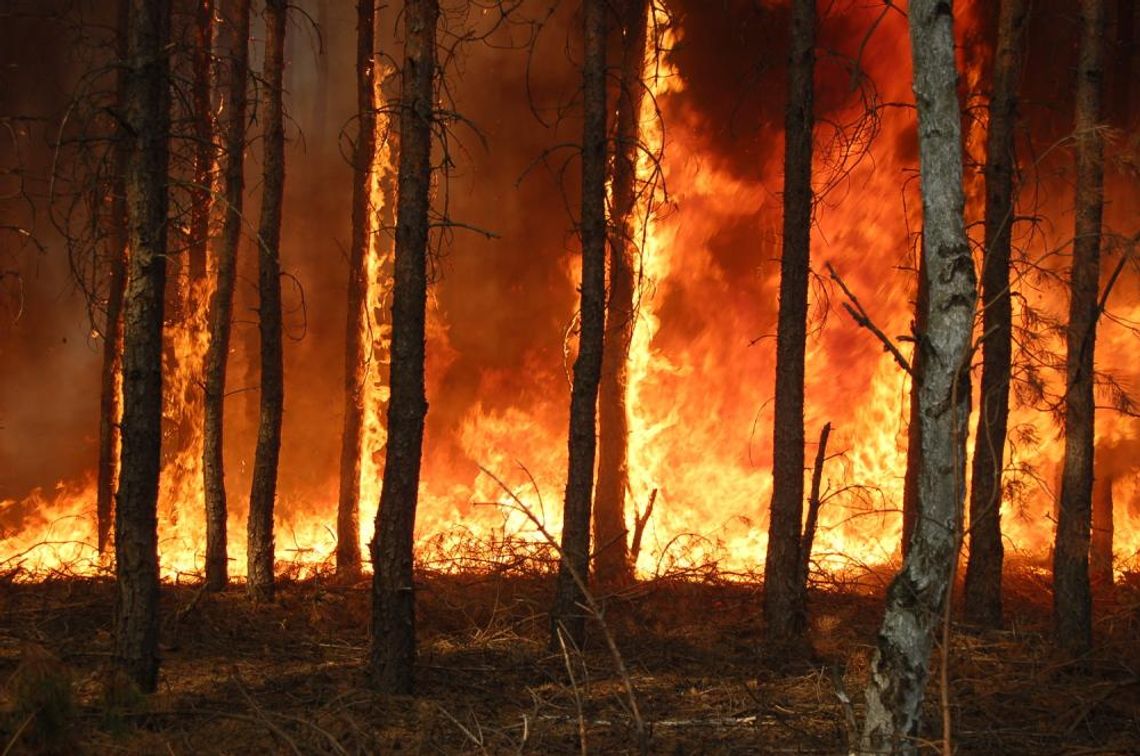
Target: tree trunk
{"x":911,"y":498}
{"x":355,"y":362}
{"x":1072,"y":598}
{"x":784,"y":600}
{"x":1124,"y":54}
{"x":983,"y":571}
{"x":1100,"y":549}
{"x":566,"y":614}
{"x":234,"y":71}
{"x":204,"y":150}
{"x":916,"y":596}
{"x":611,"y":562}
{"x":111,"y":395}
{"x":264,"y":488}
{"x":147,"y":117}
{"x":392,"y":654}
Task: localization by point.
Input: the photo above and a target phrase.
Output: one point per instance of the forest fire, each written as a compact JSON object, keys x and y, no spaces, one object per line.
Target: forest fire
{"x":508,"y":313}
{"x":700,"y":385}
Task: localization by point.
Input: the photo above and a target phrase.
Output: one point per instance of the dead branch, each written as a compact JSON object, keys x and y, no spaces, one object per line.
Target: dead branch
{"x":814,"y":501}
{"x":861,"y":318}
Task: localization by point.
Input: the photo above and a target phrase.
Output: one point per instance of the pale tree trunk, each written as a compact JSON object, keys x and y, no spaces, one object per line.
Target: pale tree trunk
{"x":110,"y":396}
{"x":567,"y":615}
{"x":983,"y":571}
{"x":356,"y":346}
{"x":393,"y":647}
{"x":611,"y":562}
{"x":147,"y":116}
{"x":264,"y":488}
{"x":899,"y":666}
{"x":233,"y":76}
{"x":1072,"y":597}
{"x":784,"y":590}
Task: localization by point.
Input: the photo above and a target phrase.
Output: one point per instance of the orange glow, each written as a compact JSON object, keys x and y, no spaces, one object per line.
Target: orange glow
{"x":701,"y":377}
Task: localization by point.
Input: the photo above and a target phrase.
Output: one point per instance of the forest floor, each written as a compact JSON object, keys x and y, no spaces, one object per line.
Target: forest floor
{"x":286,"y":677}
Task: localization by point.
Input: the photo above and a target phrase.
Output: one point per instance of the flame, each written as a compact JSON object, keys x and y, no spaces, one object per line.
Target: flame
{"x":700,"y":374}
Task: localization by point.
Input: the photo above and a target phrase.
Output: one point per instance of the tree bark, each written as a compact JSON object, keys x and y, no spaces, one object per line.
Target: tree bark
{"x":234,"y":70}
{"x":1124,"y":55}
{"x":1072,"y":597}
{"x":611,"y":562}
{"x":111,"y":395}
{"x":899,"y":667}
{"x":392,"y":654}
{"x":356,"y":345}
{"x":204,"y":149}
{"x":147,"y":117}
{"x":264,"y":489}
{"x":983,"y":571}
{"x":911,"y":497}
{"x":566,"y":615}
{"x":784,"y":598}
{"x":1100,"y":548}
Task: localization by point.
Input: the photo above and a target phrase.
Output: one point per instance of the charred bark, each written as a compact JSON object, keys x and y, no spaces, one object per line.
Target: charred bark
{"x":392,"y":654}
{"x":612,"y":560}
{"x":147,"y":117}
{"x":983,"y":571}
{"x":566,"y":615}
{"x":899,"y":666}
{"x":1072,"y":597}
{"x":234,"y":71}
{"x":110,"y":394}
{"x":784,"y":596}
{"x":355,"y":362}
{"x":264,"y":488}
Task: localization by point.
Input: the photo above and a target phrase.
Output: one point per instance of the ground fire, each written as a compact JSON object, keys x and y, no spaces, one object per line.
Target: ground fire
{"x":839,"y":302}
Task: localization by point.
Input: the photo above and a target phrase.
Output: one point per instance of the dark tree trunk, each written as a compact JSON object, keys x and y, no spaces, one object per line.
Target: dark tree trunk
{"x":264,"y":489}
{"x":234,"y":72}
{"x":1100,"y":549}
{"x":899,"y":666}
{"x":1072,"y":598}
{"x":784,"y":599}
{"x":392,"y":656}
{"x":911,"y":498}
{"x":1124,"y":55}
{"x":611,"y":562}
{"x":566,"y":614}
{"x":204,"y":150}
{"x":147,"y":117}
{"x":983,"y":571}
{"x":111,"y":396}
{"x":356,"y":345}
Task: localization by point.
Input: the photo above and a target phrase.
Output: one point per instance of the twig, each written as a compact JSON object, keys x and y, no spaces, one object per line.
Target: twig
{"x":860,"y":316}
{"x":640,"y":520}
{"x":574,"y":689}
{"x":266,"y":720}
{"x":591,"y":604}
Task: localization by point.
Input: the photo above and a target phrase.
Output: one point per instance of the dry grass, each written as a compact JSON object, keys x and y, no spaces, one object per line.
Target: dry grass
{"x":286,"y":677}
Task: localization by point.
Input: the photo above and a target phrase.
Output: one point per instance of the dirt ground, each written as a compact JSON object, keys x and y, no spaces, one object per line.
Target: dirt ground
{"x":286,"y":677}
